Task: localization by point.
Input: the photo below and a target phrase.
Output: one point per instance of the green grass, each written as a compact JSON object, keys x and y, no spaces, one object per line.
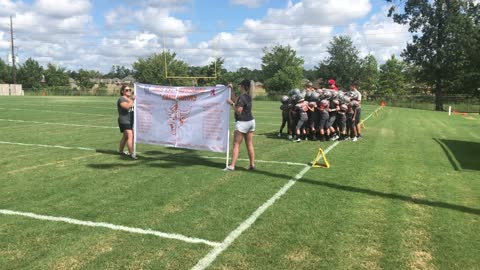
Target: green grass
{"x":407,"y":196}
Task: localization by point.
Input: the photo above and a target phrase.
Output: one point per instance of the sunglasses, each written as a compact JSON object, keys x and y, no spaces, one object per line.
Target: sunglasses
{"x":128,"y":89}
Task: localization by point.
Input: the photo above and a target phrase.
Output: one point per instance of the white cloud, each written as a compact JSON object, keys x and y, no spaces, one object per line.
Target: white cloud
{"x":314,"y":12}
{"x":248,"y":3}
{"x":68,"y":37}
{"x":62,"y":8}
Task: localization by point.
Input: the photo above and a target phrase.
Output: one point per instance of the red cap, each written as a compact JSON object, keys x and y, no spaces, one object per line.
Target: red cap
{"x":331,"y":81}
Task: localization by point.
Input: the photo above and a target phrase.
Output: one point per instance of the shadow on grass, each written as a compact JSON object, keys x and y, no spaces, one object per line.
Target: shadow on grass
{"x":461,"y":154}
{"x":171,"y":159}
{"x":370,"y":192}
{"x":273,"y":135}
{"x":185,"y":158}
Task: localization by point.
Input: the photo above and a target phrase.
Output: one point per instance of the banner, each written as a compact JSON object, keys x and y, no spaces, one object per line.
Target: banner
{"x":183,"y":117}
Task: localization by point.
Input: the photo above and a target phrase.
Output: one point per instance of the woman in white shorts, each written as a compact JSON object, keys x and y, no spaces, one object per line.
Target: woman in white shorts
{"x":244,"y":124}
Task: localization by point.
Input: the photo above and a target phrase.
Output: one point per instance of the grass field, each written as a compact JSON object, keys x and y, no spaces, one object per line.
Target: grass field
{"x":406,"y":196}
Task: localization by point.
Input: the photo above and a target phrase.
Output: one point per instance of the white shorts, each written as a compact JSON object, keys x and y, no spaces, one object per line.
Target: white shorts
{"x":245,"y":126}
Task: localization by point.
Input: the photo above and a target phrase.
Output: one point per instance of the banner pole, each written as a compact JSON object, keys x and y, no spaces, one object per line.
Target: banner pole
{"x":228,"y":133}
{"x":134,"y":121}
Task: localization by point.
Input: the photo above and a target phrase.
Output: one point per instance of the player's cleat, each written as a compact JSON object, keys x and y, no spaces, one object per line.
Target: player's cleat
{"x":299,"y":140}
{"x":290,"y":137}
{"x":279,"y":135}
{"x":133,"y":157}
{"x":251,"y":168}
{"x":354,"y":139}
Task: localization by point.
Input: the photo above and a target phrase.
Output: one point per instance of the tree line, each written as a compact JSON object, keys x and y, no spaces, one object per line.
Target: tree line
{"x":442,"y":58}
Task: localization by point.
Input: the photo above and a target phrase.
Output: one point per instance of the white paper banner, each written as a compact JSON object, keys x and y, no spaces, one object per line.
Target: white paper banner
{"x":183,"y":117}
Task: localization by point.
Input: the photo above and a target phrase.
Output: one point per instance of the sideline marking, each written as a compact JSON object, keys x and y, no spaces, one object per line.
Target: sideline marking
{"x":212,"y":255}
{"x":18,"y":109}
{"x":49,"y":146}
{"x":262,"y":161}
{"x":51,"y":163}
{"x":174,"y":236}
{"x":50,"y":123}
{"x":92,"y":149}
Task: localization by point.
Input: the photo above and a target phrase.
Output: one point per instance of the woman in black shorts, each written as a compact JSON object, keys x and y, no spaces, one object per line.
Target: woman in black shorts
{"x":244,"y":124}
{"x":125,"y":120}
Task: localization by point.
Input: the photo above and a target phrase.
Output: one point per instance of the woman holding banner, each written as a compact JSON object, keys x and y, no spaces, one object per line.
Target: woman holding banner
{"x":125,"y":120}
{"x":244,"y":123}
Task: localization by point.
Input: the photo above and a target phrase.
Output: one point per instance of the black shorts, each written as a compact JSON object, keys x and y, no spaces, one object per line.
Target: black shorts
{"x":123,"y":127}
{"x":358,"y":116}
{"x":314,"y":119}
{"x":350,"y":122}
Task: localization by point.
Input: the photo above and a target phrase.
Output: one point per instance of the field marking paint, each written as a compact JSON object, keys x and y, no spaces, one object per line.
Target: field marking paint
{"x":212,"y":255}
{"x":49,"y":146}
{"x":50,"y":163}
{"x":114,"y":227}
{"x":9,"y":128}
{"x":17,"y":109}
{"x":50,"y":123}
{"x":262,"y":161}
{"x":92,"y":149}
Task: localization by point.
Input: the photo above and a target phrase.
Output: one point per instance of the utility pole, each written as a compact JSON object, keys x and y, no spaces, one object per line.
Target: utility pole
{"x":14,"y":68}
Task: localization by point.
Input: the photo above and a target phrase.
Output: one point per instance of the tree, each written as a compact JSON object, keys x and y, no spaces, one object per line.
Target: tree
{"x":445,"y":43}
{"x":343,"y":64}
{"x":30,"y":74}
{"x":5,"y":72}
{"x":56,"y":76}
{"x":392,"y":77}
{"x":118,"y":72}
{"x":84,"y":78}
{"x":215,"y":68}
{"x":282,"y":69}
{"x":151,"y":70}
{"x":369,"y":74}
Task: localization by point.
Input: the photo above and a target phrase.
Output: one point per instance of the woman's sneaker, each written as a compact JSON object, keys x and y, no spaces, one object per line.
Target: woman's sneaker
{"x":229,"y":168}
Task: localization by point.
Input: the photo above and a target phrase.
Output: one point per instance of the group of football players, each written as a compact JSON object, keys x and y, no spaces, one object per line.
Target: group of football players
{"x":323,"y":114}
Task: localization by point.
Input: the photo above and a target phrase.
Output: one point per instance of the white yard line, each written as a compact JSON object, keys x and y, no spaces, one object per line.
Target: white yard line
{"x":51,"y":163}
{"x":49,"y":146}
{"x":262,"y":161}
{"x":63,"y":112}
{"x":212,"y":255}
{"x":112,"y":227}
{"x":59,"y":124}
{"x":92,"y":149}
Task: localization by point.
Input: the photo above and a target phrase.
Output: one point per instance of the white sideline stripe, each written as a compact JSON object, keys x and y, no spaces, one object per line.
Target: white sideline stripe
{"x":49,"y":146}
{"x":262,"y":161}
{"x":18,"y":109}
{"x":112,"y":227}
{"x":92,"y":149}
{"x":50,"y":123}
{"x":212,"y":255}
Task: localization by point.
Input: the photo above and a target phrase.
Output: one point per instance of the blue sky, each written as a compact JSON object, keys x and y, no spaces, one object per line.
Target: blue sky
{"x":98,"y":34}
